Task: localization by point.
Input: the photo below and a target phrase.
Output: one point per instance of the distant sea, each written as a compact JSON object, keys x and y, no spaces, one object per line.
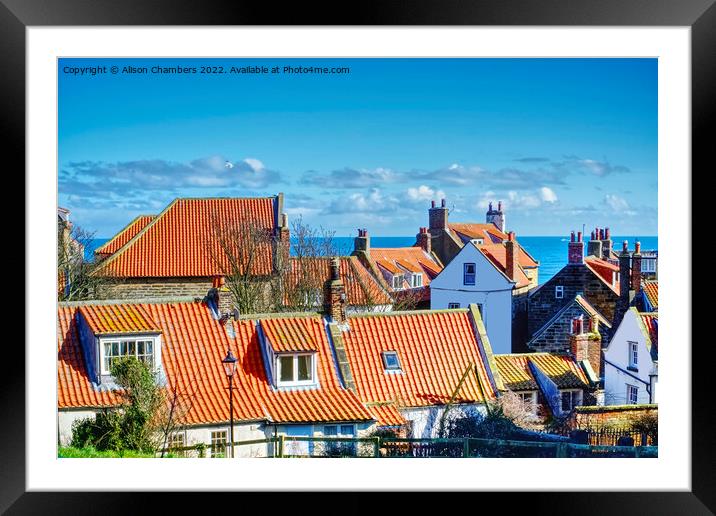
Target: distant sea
{"x":550,"y":251}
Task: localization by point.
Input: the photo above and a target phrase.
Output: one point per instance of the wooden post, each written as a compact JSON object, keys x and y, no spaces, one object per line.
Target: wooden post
{"x":376,"y":446}
{"x":561,"y":450}
{"x":280,"y":445}
{"x":466,"y":447}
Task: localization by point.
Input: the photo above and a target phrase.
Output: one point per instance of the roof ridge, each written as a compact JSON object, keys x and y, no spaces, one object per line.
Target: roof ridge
{"x":131,"y":241}
{"x":121,"y":232}
{"x":407,"y":312}
{"x":137,"y":301}
{"x":279,"y":315}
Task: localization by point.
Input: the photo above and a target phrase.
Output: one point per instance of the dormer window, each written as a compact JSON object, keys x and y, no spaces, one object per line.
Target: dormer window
{"x":397,"y":281}
{"x":417,"y":280}
{"x":295,"y":369}
{"x":477,"y":241}
{"x":390,"y":361}
{"x":112,"y":349}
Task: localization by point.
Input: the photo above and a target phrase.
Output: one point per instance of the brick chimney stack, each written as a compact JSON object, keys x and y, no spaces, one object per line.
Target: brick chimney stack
{"x":594,"y":246}
{"x":636,"y":268}
{"x":221,"y":295}
{"x":586,"y":346}
{"x":575,"y":250}
{"x":362,"y":241}
{"x":511,"y":256}
{"x":606,"y":245}
{"x":334,"y":294}
{"x":437,"y":217}
{"x":496,"y":217}
{"x":424,"y":240}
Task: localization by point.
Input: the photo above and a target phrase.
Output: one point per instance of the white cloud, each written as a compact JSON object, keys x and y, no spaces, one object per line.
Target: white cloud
{"x":255,"y":164}
{"x":424,"y":193}
{"x":618,"y":204}
{"x":548,"y":195}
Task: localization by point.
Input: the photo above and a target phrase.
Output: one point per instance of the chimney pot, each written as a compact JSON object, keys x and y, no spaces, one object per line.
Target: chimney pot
{"x":607,"y":235}
{"x":499,"y":205}
{"x":442,"y":203}
{"x":637,"y":247}
{"x":625,"y":246}
{"x":572,"y":237}
{"x":432,"y":204}
{"x":579,"y":236}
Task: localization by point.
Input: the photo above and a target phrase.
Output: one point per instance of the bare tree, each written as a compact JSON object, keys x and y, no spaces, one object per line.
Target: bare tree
{"x":76,"y":276}
{"x":171,"y":418}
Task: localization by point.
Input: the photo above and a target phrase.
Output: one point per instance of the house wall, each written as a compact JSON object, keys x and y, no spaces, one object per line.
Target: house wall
{"x":153,"y":288}
{"x":556,"y":336}
{"x":615,"y":381}
{"x":576,"y":279}
{"x":425,"y":421}
{"x":492,"y":290}
{"x":65,"y":418}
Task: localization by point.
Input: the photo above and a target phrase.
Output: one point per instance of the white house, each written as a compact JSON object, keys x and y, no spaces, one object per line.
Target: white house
{"x":471,"y":277}
{"x":631,"y":360}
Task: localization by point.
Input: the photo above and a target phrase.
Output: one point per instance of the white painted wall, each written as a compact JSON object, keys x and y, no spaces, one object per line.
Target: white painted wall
{"x":615,"y":381}
{"x":492,"y":290}
{"x":426,"y":420}
{"x":65,"y":418}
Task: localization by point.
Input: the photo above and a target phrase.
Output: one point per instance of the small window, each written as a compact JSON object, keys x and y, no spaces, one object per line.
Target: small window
{"x":571,"y":399}
{"x":176,"y":442}
{"x":417,"y":280}
{"x":453,"y":305}
{"x":218,"y":443}
{"x":295,"y":369}
{"x":390,"y":360}
{"x":528,"y":402}
{"x":114,"y":350}
{"x":559,"y":292}
{"x":397,"y":281}
{"x":632,"y":394}
{"x":468,"y":274}
{"x":477,"y":241}
{"x":633,"y":355}
{"x":339,"y":449}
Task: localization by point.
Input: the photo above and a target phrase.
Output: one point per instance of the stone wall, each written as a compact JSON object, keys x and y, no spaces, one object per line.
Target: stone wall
{"x":611,"y":416}
{"x":576,"y":279}
{"x":154,"y":288}
{"x":556,"y":337}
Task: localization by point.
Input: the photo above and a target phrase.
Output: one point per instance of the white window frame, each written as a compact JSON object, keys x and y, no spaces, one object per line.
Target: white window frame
{"x":214,"y":437}
{"x":385,"y":361}
{"x":632,"y":388}
{"x":177,"y":440}
{"x":633,"y":350}
{"x":295,"y":381}
{"x":465,"y":274}
{"x":134,"y":339}
{"x":477,"y":241}
{"x":575,"y":399}
{"x":559,"y":292}
{"x":453,"y":306}
{"x":397,"y":281}
{"x":417,"y":280}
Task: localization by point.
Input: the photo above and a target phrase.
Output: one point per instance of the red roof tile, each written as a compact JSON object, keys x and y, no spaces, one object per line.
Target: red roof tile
{"x":398,"y":260}
{"x":387,"y":414}
{"x":125,"y":318}
{"x":182,"y":240}
{"x":497,"y":254}
{"x":193,"y":345}
{"x":291,"y":334}
{"x":434,"y":350}
{"x":604,"y":271}
{"x":651,"y":323}
{"x":488,"y":232}
{"x":651,"y":290}
{"x":561,"y":369}
{"x":124,"y":236}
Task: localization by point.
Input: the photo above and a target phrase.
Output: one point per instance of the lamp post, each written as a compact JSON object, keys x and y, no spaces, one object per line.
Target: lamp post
{"x":229,"y":363}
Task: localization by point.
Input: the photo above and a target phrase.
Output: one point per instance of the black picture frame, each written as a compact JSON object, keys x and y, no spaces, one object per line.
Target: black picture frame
{"x":699,"y":15}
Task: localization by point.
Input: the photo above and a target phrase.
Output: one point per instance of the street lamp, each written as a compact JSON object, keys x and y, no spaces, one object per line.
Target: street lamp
{"x":229,"y":363}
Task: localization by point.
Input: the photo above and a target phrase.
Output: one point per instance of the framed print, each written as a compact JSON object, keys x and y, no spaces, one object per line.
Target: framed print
{"x":419,"y":243}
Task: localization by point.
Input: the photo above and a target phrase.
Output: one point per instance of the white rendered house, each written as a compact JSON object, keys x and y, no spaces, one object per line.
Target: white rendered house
{"x":631,"y":360}
{"x":471,"y":277}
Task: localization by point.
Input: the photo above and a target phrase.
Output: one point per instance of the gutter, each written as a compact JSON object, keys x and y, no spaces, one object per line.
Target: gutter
{"x":648,"y":385}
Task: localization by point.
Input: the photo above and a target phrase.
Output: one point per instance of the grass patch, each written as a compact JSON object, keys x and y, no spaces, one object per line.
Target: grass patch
{"x":70,"y":452}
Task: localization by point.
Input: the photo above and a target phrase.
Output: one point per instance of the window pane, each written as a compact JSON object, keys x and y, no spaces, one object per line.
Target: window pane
{"x":140,"y":347}
{"x":566,"y":401}
{"x":115,"y":349}
{"x":331,"y":430}
{"x":286,"y":366}
{"x":391,"y":360}
{"x":123,"y":348}
{"x":148,"y":347}
{"x":304,"y":367}
{"x":131,"y":348}
{"x":347,"y":430}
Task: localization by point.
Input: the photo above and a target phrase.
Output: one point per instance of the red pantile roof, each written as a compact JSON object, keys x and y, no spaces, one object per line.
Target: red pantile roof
{"x":124,"y":236}
{"x":291,"y":334}
{"x":398,"y":260}
{"x":125,"y":318}
{"x":651,"y":291}
{"x":651,"y":323}
{"x":434,"y":350}
{"x":193,"y":345}
{"x":497,"y":254}
{"x":488,"y":232}
{"x":182,"y":240}
{"x":604,"y":271}
{"x":387,"y":414}
{"x":561,"y":369}
{"x":362,"y":289}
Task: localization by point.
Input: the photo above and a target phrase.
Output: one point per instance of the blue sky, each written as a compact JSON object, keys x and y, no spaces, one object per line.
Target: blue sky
{"x":562,"y":142}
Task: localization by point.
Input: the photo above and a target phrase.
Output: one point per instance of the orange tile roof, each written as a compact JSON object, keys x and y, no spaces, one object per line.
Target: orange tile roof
{"x":182,"y":240}
{"x":434,"y":350}
{"x":651,"y":290}
{"x":387,"y":414}
{"x":561,"y":369}
{"x":497,"y":254}
{"x":603,"y":270}
{"x":124,"y":318}
{"x":362,"y":289}
{"x":413,"y":259}
{"x":124,"y":236}
{"x":291,"y":334}
{"x":488,"y":232}
{"x":193,"y":345}
{"x":651,"y":323}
